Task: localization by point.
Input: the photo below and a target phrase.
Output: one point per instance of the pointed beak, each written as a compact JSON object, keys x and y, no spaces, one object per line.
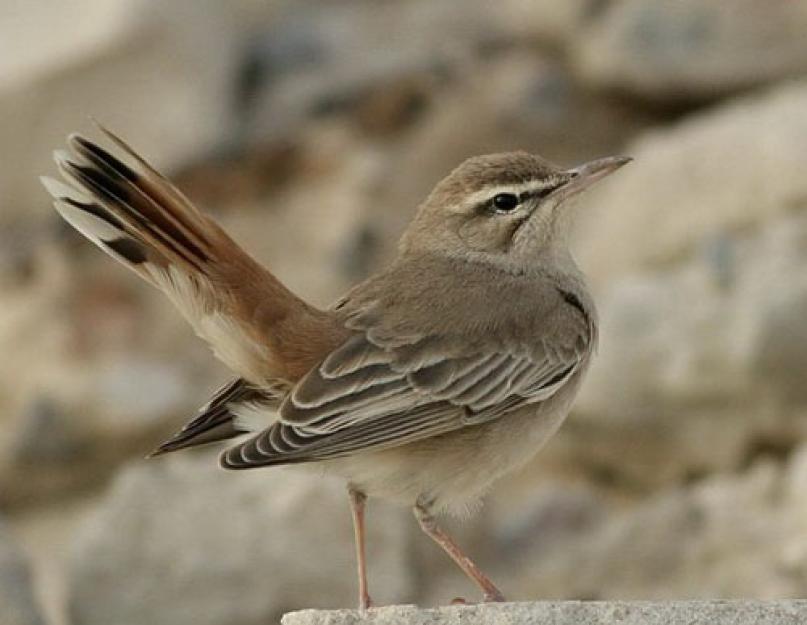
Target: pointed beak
{"x":587,"y":174}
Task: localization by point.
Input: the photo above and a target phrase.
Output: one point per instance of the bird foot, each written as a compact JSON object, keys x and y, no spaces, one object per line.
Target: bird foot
{"x":493,"y":596}
{"x":489,"y":597}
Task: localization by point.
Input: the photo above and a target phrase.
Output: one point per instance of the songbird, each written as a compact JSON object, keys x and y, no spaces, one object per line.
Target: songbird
{"x":423,"y":384}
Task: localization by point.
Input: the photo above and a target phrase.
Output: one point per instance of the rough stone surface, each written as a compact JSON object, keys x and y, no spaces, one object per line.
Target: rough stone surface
{"x":550,"y":22}
{"x":337,"y":57}
{"x":181,"y":541}
{"x":729,"y":536}
{"x":138,"y":66}
{"x":570,"y":613}
{"x":17,"y":605}
{"x":688,"y":49}
{"x":70,"y":413}
{"x":728,"y":169}
{"x":698,"y":366}
{"x":323,"y":57}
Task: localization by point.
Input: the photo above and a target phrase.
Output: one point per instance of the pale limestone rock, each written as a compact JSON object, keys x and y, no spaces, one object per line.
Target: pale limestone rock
{"x":674,"y":50}
{"x":570,"y":613}
{"x":323,"y":58}
{"x":140,"y":67}
{"x":725,"y":170}
{"x":70,"y":413}
{"x":555,"y":22}
{"x":179,"y":540}
{"x":17,"y":603}
{"x":699,"y":364}
{"x":728,"y":536}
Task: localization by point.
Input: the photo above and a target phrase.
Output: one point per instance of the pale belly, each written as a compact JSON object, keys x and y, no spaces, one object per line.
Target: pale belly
{"x":451,"y":472}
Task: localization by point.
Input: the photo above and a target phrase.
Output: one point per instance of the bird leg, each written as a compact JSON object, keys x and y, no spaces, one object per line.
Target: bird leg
{"x":430,"y":527}
{"x":357,"y":501}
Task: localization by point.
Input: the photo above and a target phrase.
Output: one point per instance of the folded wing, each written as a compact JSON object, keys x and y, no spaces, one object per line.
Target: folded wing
{"x":366,"y":397}
{"x":219,"y":419}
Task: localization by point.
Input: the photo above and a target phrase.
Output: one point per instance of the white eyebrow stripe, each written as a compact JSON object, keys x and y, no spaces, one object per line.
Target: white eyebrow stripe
{"x":483,"y":195}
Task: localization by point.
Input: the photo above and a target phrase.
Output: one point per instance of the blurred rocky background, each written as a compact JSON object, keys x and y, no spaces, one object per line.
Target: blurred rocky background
{"x":311,"y":129}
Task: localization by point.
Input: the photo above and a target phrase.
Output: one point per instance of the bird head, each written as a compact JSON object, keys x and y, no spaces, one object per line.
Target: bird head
{"x":509,"y":207}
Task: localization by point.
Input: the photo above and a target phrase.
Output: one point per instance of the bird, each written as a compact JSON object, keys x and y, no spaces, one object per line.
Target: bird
{"x":425,"y":383}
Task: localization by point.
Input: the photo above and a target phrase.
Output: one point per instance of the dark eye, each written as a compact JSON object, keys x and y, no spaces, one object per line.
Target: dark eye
{"x":505,"y":202}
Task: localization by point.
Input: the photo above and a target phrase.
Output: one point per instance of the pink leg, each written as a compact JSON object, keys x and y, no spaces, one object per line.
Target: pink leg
{"x":357,"y":501}
{"x":430,"y":527}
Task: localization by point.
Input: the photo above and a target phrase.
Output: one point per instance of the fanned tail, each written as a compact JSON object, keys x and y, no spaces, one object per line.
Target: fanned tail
{"x":139,"y":218}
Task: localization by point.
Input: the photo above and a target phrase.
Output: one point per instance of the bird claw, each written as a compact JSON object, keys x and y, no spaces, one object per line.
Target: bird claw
{"x":493,"y":597}
{"x":488,"y":597}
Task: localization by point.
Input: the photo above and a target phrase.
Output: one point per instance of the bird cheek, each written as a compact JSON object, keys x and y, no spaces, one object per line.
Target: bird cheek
{"x":536,"y":230}
{"x":484,"y":234}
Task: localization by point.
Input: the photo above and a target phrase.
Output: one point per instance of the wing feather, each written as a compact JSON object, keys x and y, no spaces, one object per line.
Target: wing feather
{"x":334,"y":416}
{"x":415,"y":368}
{"x":217,"y":421}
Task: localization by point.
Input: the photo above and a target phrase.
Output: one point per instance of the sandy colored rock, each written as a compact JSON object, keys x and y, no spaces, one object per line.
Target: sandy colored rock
{"x":549,"y":22}
{"x":728,"y":169}
{"x":570,"y":613}
{"x":674,"y":50}
{"x":179,"y":540}
{"x":70,"y":409}
{"x":729,"y":536}
{"x":319,"y":59}
{"x":696,"y":370}
{"x":140,"y":67}
{"x":17,"y":604}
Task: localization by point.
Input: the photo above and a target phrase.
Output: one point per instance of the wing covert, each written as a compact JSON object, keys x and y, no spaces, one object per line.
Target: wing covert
{"x":375,"y":405}
{"x":414,"y":368}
